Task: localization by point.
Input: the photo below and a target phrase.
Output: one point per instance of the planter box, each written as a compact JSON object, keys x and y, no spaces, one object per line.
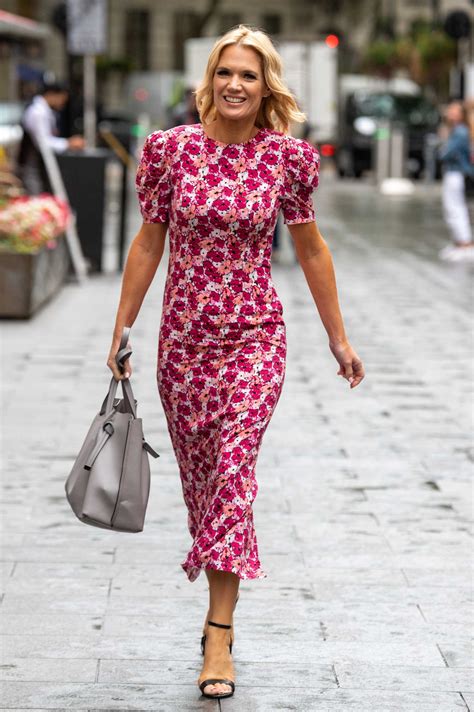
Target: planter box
{"x":28,"y":280}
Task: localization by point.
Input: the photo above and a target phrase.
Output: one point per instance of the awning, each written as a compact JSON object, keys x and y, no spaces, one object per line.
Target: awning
{"x":21,"y":27}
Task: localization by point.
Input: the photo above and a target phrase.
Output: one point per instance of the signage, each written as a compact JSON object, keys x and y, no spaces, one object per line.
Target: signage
{"x":86,"y":26}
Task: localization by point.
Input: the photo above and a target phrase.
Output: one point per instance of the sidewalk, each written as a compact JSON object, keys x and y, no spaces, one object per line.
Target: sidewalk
{"x":363,"y":511}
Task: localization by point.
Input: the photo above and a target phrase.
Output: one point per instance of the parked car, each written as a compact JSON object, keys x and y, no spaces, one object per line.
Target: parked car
{"x":359,"y":119}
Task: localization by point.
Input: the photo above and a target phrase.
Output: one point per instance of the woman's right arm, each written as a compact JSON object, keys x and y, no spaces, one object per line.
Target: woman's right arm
{"x":142,"y":262}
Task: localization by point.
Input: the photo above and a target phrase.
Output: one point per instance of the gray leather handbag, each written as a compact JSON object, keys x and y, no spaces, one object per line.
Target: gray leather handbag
{"x":109,"y":484}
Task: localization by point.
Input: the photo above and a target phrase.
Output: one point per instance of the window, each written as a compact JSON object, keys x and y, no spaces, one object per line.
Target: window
{"x":137,"y":36}
{"x":227,"y":20}
{"x":272,"y":24}
{"x":185,"y":24}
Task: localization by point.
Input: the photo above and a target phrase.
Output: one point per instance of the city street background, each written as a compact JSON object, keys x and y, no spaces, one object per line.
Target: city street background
{"x":363,"y":514}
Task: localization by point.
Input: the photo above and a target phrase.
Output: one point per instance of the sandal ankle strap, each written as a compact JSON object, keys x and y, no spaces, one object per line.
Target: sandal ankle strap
{"x":219,"y":625}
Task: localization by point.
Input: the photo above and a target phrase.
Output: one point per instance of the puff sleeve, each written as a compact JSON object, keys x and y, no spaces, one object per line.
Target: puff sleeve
{"x":152,"y":182}
{"x":301,"y":163}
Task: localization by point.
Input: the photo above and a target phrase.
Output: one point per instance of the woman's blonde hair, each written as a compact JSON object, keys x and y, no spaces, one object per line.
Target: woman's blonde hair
{"x":277,"y":110}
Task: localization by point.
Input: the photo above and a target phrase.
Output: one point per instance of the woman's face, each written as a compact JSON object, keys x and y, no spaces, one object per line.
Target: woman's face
{"x":454,"y":113}
{"x":238,"y":83}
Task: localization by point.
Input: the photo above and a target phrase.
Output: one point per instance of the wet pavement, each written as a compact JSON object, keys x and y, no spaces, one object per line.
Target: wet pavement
{"x":363,"y":515}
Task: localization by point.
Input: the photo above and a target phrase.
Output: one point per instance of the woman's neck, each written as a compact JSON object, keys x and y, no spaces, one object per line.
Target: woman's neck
{"x":231,"y":131}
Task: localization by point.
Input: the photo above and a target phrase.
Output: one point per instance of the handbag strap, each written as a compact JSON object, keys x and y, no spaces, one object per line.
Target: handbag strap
{"x":121,"y":356}
{"x":123,"y":352}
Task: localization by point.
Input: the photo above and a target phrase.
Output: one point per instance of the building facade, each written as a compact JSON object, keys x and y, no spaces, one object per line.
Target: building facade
{"x":149,"y":35}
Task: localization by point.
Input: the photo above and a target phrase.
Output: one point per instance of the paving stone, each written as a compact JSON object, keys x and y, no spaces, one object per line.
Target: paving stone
{"x":327,"y":652}
{"x":462,"y":613}
{"x":468,"y":697}
{"x":369,"y":631}
{"x":290,"y":700}
{"x":50,"y":670}
{"x":57,"y":585}
{"x":461,"y":576}
{"x":362,"y":612}
{"x":249,"y":674}
{"x":77,"y":696}
{"x":48,"y":623}
{"x":404,"y":677}
{"x":60,"y":554}
{"x":457,"y":653}
{"x":88,"y":603}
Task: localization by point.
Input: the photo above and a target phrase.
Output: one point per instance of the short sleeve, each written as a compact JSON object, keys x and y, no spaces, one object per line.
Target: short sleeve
{"x":301,"y":164}
{"x":152,"y":181}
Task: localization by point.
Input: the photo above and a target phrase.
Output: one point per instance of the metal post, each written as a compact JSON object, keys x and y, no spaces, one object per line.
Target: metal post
{"x":430,"y":147}
{"x":398,"y":163}
{"x":90,"y":119}
{"x":123,"y":215}
{"x":381,"y":156}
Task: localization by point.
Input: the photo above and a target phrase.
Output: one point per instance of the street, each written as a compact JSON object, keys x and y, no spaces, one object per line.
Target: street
{"x":363,"y":514}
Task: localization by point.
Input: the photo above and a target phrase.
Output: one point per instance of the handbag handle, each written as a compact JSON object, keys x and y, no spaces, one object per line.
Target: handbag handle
{"x":123,"y":352}
{"x":121,"y":356}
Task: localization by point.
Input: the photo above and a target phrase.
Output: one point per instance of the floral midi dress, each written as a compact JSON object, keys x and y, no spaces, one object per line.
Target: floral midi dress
{"x":222,"y":340}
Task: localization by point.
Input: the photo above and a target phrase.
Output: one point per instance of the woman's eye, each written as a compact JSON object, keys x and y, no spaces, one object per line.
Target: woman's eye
{"x":224,"y":72}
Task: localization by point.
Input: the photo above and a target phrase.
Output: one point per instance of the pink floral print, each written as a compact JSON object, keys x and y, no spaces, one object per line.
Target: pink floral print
{"x":222,"y":341}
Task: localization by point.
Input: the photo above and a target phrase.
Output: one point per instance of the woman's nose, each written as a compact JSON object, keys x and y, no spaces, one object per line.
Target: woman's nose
{"x":234,"y":81}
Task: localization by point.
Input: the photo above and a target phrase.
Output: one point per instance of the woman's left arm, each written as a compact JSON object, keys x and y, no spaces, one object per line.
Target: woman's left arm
{"x":316,"y":262}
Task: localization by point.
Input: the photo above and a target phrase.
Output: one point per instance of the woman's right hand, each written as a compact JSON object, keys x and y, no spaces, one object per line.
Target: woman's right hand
{"x":112,"y":364}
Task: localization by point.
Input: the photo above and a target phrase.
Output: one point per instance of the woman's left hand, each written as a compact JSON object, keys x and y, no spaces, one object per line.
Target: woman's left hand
{"x":350,"y":365}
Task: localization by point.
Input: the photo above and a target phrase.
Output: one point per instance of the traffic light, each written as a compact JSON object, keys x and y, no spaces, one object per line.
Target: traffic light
{"x":457,"y":24}
{"x":332,"y":40}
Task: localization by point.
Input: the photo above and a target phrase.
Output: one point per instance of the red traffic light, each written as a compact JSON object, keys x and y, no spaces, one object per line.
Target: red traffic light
{"x":327,"y":150}
{"x":332,"y":41}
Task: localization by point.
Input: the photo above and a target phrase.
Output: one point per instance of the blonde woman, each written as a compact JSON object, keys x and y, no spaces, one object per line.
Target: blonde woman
{"x":218,"y":187}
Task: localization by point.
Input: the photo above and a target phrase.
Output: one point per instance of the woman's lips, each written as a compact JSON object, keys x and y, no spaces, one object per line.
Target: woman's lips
{"x":234,"y":100}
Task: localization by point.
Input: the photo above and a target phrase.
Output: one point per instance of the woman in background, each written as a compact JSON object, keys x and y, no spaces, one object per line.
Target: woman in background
{"x":455,"y":155}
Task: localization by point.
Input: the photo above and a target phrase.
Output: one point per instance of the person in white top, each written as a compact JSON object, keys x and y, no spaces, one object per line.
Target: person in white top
{"x":39,"y":123}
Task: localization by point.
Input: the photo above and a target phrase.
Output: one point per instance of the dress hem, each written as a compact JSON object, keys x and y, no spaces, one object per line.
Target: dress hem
{"x":193,"y":571}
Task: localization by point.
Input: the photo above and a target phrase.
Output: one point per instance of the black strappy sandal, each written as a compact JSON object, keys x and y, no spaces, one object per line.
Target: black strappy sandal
{"x":203,"y":639}
{"x":217,"y":680}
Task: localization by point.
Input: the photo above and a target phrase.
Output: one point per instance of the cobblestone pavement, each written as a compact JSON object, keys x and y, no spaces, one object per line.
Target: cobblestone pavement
{"x":363,"y":513}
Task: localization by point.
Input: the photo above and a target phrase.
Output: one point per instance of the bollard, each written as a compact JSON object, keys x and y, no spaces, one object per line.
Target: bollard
{"x":381,"y":151}
{"x":430,"y":148}
{"x":398,"y":152}
{"x":391,"y":147}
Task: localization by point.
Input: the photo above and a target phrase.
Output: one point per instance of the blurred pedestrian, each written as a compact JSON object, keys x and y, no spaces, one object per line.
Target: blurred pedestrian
{"x":219,"y":186}
{"x":39,"y":122}
{"x":186,"y":111}
{"x":469,"y":104}
{"x":455,"y":155}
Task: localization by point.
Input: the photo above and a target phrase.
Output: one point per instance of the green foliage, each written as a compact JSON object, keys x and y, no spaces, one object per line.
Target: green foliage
{"x":105,"y":64}
{"x":421,"y":26}
{"x":427,"y":54}
{"x":380,"y":55}
{"x":381,"y":52}
{"x":434,"y":46}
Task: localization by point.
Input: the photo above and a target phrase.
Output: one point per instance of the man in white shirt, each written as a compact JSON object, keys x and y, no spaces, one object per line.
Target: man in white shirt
{"x":39,"y":123}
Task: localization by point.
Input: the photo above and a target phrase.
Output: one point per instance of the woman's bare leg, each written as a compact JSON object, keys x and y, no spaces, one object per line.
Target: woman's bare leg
{"x":215,"y":592}
{"x":223,"y":589}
